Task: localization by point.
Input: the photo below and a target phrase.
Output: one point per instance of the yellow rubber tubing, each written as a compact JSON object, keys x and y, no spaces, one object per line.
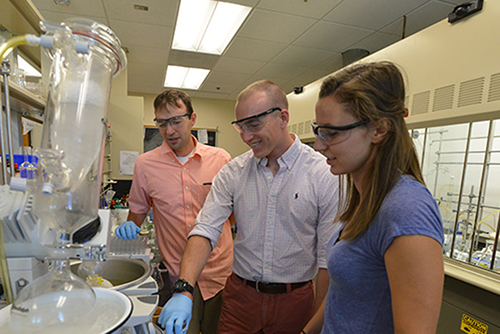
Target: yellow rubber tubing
{"x":11,"y":43}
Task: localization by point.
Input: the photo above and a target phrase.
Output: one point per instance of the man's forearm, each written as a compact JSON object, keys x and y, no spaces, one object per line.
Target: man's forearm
{"x":322,"y":283}
{"x":195,"y":257}
{"x":137,"y":218}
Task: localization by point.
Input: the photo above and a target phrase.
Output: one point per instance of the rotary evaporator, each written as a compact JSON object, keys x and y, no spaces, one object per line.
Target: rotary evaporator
{"x":47,"y":212}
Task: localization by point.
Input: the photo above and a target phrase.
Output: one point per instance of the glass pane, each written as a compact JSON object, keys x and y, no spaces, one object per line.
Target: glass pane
{"x":489,"y":214}
{"x":442,"y":168}
{"x":470,"y":193}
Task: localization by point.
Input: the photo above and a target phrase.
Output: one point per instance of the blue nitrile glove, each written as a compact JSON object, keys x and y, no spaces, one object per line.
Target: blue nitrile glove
{"x":127,"y":230}
{"x":176,"y":314}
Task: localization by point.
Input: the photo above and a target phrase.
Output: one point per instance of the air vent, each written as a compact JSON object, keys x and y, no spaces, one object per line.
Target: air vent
{"x":421,"y":103}
{"x":307,"y":127}
{"x":443,"y":98}
{"x":294,"y":128}
{"x":494,"y":93}
{"x":471,"y":92}
{"x":301,"y":129}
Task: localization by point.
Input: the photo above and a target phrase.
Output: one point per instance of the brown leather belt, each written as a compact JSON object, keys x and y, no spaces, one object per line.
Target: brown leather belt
{"x":272,"y":288}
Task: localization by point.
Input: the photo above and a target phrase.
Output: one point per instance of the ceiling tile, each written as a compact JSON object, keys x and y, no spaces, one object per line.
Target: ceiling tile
{"x":161,"y":12}
{"x":75,"y":8}
{"x":330,"y":65}
{"x":308,"y":77}
{"x":254,"y":49}
{"x":238,"y":65}
{"x":275,"y":27}
{"x":371,"y":14}
{"x":302,"y":56}
{"x":316,"y":9}
{"x":58,"y":17}
{"x":248,"y":3}
{"x":376,"y":41}
{"x":234,"y":79}
{"x":142,"y":34}
{"x":331,"y":37}
{"x":148,"y":55}
{"x":223,"y":82}
{"x":145,"y":73}
{"x":427,"y":15}
{"x":283,"y":71}
{"x":420,"y":18}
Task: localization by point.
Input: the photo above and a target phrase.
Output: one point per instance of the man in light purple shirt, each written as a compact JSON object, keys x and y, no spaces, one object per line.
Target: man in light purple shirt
{"x":284,"y":200}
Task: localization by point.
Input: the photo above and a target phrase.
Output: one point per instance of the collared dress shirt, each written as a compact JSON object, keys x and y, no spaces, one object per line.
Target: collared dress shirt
{"x":177,"y":192}
{"x":284,"y":221}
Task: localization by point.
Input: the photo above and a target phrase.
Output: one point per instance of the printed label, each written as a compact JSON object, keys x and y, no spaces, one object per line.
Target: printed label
{"x":472,"y":326}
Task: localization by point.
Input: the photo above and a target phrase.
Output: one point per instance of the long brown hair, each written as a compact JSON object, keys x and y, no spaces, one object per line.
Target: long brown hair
{"x":374,"y":91}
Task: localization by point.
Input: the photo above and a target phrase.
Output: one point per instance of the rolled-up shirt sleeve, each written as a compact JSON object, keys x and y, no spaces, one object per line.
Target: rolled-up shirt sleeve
{"x":218,"y":206}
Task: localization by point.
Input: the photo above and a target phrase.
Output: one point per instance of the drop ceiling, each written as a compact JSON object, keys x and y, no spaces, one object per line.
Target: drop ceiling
{"x":291,"y":42}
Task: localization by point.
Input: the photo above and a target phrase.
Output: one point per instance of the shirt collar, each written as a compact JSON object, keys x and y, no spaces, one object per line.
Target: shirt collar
{"x":165,"y":149}
{"x":290,"y":155}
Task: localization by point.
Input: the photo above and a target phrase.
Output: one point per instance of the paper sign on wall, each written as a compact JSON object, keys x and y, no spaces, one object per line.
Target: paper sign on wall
{"x":203,"y":136}
{"x":127,"y":162}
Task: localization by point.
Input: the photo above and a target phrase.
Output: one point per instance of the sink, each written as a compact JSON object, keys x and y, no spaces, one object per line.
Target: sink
{"x":123,"y":273}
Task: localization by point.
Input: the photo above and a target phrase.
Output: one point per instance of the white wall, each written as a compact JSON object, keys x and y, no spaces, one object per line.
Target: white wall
{"x":125,"y":118}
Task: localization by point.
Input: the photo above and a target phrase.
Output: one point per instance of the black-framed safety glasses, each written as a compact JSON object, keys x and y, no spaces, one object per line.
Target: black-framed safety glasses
{"x":332,"y":135}
{"x":253,"y":123}
{"x":174,"y":122}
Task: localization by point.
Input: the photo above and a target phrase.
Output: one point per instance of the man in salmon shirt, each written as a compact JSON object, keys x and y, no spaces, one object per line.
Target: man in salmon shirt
{"x":174,"y":179}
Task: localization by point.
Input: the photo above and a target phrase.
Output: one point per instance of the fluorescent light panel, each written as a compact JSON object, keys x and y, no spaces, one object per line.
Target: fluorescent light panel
{"x":207,"y":26}
{"x":185,"y":77}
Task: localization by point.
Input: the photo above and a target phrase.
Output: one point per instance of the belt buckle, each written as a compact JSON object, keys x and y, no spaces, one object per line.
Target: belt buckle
{"x":257,"y":286}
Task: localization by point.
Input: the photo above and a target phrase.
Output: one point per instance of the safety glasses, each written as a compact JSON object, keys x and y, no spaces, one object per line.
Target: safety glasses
{"x":253,"y":123}
{"x":332,"y":135}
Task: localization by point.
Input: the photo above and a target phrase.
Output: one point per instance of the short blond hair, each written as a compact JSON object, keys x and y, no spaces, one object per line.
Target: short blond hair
{"x":275,"y":94}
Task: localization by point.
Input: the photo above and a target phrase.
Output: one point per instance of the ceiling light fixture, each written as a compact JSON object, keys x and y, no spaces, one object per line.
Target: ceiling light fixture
{"x":207,"y":26}
{"x":185,"y":77}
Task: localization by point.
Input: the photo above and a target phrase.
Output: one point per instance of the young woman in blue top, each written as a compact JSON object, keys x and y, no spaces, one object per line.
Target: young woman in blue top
{"x":385,"y":258}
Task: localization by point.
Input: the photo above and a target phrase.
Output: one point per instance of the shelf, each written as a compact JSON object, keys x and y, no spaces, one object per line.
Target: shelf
{"x":24,"y":101}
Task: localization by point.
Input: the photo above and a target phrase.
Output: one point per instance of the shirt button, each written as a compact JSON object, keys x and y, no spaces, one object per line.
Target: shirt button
{"x":184,"y":168}
{"x":187,"y":206}
{"x":189,"y":225}
{"x":187,"y":188}
{"x":267,"y":267}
